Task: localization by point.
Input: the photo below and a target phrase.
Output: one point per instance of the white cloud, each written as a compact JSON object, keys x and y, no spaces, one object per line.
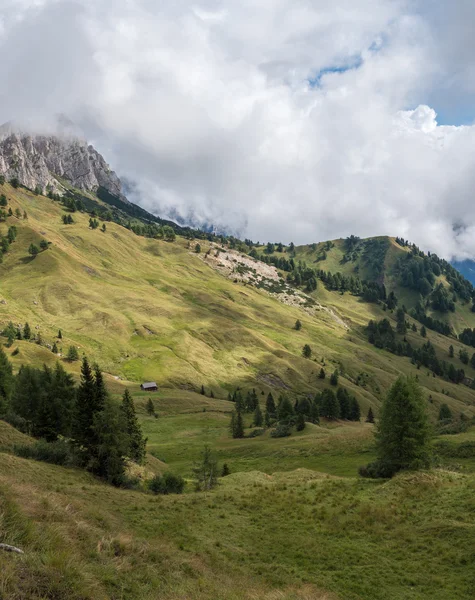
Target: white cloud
{"x":207,"y":107}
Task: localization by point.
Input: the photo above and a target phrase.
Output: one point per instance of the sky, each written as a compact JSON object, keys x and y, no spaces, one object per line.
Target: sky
{"x":277,"y":120}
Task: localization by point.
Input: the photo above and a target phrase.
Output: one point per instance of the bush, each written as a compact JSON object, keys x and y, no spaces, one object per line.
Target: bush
{"x":167,"y":484}
{"x":463,"y":450}
{"x":59,"y":452}
{"x":256,"y":433}
{"x":282,"y":430}
{"x":378,"y":470}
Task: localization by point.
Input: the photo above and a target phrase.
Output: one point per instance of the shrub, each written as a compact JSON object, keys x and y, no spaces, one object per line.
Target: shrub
{"x":167,"y":484}
{"x":378,"y":470}
{"x":59,"y":452}
{"x":282,"y":430}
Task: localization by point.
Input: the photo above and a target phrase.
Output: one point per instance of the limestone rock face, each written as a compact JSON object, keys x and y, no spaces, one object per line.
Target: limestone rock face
{"x":38,"y":160}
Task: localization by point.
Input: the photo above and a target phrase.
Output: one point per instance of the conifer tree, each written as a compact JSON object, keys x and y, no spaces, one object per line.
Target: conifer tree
{"x":300,"y":422}
{"x":344,"y":402}
{"x":150,"y":408}
{"x":206,"y":471}
{"x":85,"y":407}
{"x":306,"y":351}
{"x":72,"y":353}
{"x":267,"y":418}
{"x":298,"y":325}
{"x":355,"y":411}
{"x":403,"y":432}
{"x":202,"y":392}
{"x":137,"y":442}
{"x":445,"y":414}
{"x":329,"y":407}
{"x":60,"y":335}
{"x":270,"y":405}
{"x":423,"y":332}
{"x":370,"y":417}
{"x":225,"y":472}
{"x":54,"y":349}
{"x":6,"y":382}
{"x":321,"y":375}
{"x":100,"y":389}
{"x":285,"y":409}
{"x":451,"y":351}
{"x":334,"y":377}
{"x":237,"y":425}
{"x":258,"y":418}
{"x":26,"y":332}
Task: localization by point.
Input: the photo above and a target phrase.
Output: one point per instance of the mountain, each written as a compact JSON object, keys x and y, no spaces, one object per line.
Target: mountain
{"x":48,"y":162}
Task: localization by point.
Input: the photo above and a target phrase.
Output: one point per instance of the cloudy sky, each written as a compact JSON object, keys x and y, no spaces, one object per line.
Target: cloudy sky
{"x":292,"y":120}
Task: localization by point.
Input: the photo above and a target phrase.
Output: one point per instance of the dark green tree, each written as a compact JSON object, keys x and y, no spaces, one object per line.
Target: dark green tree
{"x":445,"y":414}
{"x":225,"y":472}
{"x":344,"y":402}
{"x":86,"y":407}
{"x":401,"y":321}
{"x":197,"y":248}
{"x":137,"y":442}
{"x":258,"y":419}
{"x":202,"y":392}
{"x":150,"y":408}
{"x":402,"y":437}
{"x":423,"y":331}
{"x":355,"y":411}
{"x":322,"y":374}
{"x":237,"y":425}
{"x":334,"y":377}
{"x":300,"y":422}
{"x":306,"y":351}
{"x":72,"y":353}
{"x":54,"y":349}
{"x":329,"y":406}
{"x":451,"y":351}
{"x":60,"y":335}
{"x":285,"y":409}
{"x":6,"y":382}
{"x":370,"y":417}
{"x":298,"y":325}
{"x":33,"y":250}
{"x":270,"y":406}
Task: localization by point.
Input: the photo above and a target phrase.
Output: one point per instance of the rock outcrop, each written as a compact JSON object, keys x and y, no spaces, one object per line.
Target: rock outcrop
{"x":43,"y":160}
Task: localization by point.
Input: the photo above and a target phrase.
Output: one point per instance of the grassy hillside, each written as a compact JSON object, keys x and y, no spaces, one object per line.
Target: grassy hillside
{"x":292,"y":521}
{"x":290,"y":535}
{"x":147,"y":309}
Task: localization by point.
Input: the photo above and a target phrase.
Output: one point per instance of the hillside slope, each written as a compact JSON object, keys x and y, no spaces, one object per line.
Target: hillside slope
{"x":147,"y":309}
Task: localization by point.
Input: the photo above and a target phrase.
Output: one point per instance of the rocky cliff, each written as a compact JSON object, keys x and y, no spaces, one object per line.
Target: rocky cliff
{"x":39,"y":160}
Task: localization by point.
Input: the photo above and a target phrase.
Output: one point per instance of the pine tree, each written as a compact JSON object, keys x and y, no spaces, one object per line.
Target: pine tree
{"x":344,"y":402}
{"x":445,"y":414}
{"x":267,"y":418}
{"x":300,"y":422}
{"x":72,"y":353}
{"x":237,"y":425}
{"x":206,"y":471}
{"x":150,"y":408}
{"x":137,"y":442}
{"x":54,"y":349}
{"x":355,"y":411}
{"x":298,"y":325}
{"x":285,"y":409}
{"x":423,"y":332}
{"x":100,"y":389}
{"x":403,"y":432}
{"x":85,"y":407}
{"x":270,"y":406}
{"x":225,"y":472}
{"x":321,"y":375}
{"x":258,"y":418}
{"x":334,"y":377}
{"x":306,"y":351}
{"x":329,"y":407}
{"x":203,"y":393}
{"x":451,"y":351}
{"x":26,"y":332}
{"x":60,"y":335}
{"x":6,"y":382}
{"x":370,"y":417}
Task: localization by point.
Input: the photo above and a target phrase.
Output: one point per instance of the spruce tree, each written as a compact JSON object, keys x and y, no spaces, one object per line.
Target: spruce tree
{"x":300,"y":422}
{"x":85,"y":407}
{"x":150,"y":408}
{"x":423,"y":332}
{"x":344,"y":402}
{"x":445,"y":414}
{"x":451,"y":351}
{"x":403,"y":436}
{"x":355,"y":411}
{"x":270,"y":405}
{"x":258,"y":418}
{"x":137,"y":442}
{"x":298,"y":325}
{"x":321,"y":375}
{"x":334,"y":377}
{"x":236,"y":425}
{"x":6,"y":382}
{"x":100,"y":388}
{"x":370,"y":417}
{"x":72,"y":353}
{"x":26,"y":332}
{"x":60,"y":335}
{"x":202,"y":392}
{"x":329,"y":407}
{"x":225,"y":472}
{"x":285,"y":409}
{"x":206,"y":471}
{"x":54,"y":349}
{"x":306,"y":351}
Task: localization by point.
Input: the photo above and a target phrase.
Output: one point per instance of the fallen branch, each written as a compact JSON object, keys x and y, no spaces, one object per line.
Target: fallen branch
{"x":11,"y":548}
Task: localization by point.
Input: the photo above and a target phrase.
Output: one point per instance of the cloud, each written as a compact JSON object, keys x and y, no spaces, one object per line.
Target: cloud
{"x":281,"y":120}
